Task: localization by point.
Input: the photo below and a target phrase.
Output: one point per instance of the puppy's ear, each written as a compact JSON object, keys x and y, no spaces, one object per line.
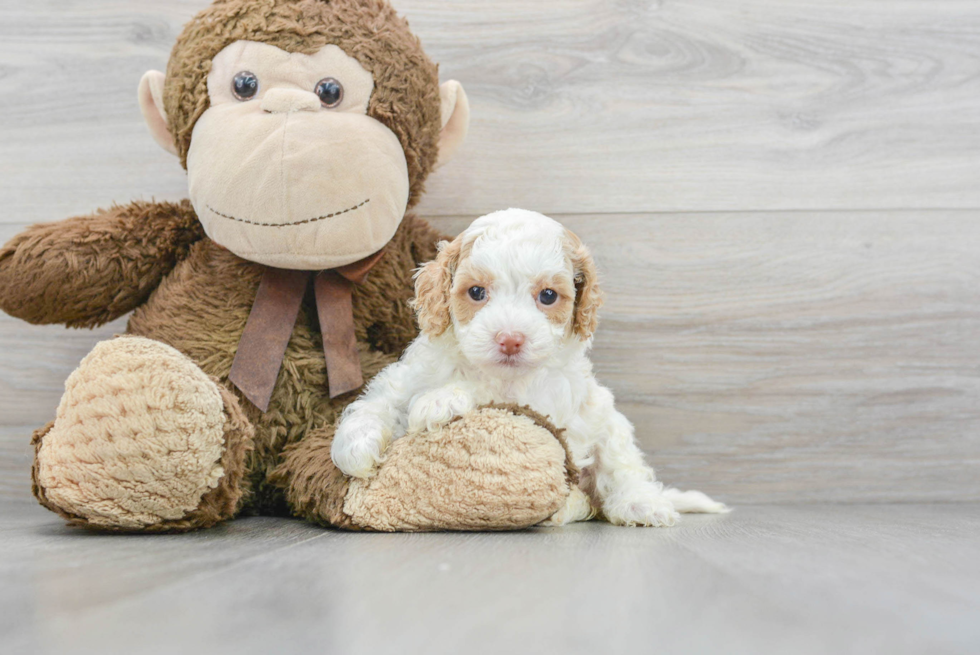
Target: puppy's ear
{"x":588,"y":296}
{"x":433,"y":284}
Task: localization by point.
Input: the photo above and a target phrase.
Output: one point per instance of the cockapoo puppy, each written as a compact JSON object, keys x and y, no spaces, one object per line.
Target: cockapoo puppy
{"x":507,"y":312}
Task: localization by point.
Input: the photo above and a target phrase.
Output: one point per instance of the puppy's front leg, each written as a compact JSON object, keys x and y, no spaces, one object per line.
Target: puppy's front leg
{"x":626,"y":485}
{"x":369,"y":424}
{"x":362,"y":436}
{"x":438,"y":407}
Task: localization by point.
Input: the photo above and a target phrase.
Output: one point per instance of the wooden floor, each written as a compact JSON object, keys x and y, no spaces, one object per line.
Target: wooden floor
{"x":764,"y":579}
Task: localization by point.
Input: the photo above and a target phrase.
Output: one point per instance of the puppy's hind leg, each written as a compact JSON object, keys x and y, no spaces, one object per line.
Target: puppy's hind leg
{"x":694,"y":502}
{"x":578,"y":507}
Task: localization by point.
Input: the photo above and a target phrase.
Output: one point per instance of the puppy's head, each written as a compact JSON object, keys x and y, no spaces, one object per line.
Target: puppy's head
{"x":513,"y":289}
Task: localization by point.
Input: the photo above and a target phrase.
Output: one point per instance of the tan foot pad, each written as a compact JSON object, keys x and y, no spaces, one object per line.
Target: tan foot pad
{"x":138,"y":437}
{"x":490,"y":470}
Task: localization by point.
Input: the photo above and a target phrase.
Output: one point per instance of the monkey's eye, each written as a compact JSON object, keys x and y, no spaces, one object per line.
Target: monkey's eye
{"x":548,"y":297}
{"x":331,"y":92}
{"x":245,"y":86}
{"x":479,"y":294}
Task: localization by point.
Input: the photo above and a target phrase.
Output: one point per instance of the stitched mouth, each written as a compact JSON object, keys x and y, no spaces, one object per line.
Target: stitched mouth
{"x":303,"y":222}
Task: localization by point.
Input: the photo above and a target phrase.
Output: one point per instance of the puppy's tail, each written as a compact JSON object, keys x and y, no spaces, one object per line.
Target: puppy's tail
{"x":694,"y":502}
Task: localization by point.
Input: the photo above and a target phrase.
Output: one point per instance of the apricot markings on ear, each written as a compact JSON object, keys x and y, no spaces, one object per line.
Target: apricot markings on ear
{"x":588,"y":295}
{"x":433,"y":285}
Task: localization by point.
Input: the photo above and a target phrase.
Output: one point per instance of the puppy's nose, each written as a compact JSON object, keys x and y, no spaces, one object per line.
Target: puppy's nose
{"x":510,"y":342}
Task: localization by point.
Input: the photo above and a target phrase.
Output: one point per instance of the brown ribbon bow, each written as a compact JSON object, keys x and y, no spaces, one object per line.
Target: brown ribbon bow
{"x":272,"y":319}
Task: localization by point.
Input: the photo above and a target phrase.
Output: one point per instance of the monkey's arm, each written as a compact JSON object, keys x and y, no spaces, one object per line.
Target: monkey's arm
{"x":89,"y":270}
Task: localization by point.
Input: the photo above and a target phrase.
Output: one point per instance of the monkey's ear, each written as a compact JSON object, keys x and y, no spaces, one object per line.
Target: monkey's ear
{"x":455,"y":119}
{"x":151,"y":104}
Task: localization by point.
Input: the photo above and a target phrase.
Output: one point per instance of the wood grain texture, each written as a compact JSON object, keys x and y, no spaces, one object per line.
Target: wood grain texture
{"x":796,"y":357}
{"x":578,"y":106}
{"x":763,"y":580}
{"x":677,"y":105}
{"x":16,"y":456}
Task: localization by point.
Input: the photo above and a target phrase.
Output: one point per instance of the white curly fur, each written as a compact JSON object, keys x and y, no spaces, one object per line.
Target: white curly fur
{"x":446,"y":374}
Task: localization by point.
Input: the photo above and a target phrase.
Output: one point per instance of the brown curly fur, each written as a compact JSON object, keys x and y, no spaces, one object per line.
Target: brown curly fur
{"x":89,"y":270}
{"x":315,"y":486}
{"x":406,"y":91}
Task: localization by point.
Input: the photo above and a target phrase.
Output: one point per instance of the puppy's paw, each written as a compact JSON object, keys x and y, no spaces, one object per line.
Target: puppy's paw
{"x":359,"y":445}
{"x":640,"y":506}
{"x":437,"y":408}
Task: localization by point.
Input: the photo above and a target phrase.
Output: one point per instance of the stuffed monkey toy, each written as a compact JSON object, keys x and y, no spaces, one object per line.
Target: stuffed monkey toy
{"x":260,"y":305}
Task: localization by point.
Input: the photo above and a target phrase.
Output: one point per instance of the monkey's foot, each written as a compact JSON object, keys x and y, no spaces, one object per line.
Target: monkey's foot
{"x":496,"y":468}
{"x":143,"y":440}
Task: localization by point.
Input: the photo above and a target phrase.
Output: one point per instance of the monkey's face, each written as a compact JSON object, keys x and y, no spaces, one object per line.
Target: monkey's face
{"x":286,"y":168}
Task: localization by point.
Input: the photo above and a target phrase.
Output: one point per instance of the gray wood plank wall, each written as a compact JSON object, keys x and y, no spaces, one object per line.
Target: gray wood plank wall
{"x":782,"y":195}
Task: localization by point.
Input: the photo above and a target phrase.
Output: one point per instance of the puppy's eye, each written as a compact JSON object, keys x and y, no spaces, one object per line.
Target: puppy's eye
{"x":331,"y":92}
{"x":479,"y":294}
{"x":245,"y":86}
{"x":548,"y":297}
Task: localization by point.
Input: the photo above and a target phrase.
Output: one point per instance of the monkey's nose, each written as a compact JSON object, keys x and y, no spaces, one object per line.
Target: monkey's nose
{"x":287,"y":101}
{"x":510,"y":342}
